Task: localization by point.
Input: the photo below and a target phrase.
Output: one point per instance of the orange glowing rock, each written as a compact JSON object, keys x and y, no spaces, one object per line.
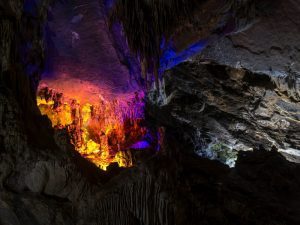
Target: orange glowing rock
{"x":102,"y":131}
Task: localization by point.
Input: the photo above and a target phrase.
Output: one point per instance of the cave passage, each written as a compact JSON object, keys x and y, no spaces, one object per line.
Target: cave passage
{"x":85,"y":90}
{"x":149,"y":112}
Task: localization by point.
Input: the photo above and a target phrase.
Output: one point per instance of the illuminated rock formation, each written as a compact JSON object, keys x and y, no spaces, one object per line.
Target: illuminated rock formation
{"x":101,"y":132}
{"x":44,"y":180}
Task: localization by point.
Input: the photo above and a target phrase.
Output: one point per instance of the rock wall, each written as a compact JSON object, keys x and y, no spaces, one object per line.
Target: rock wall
{"x":225,"y":110}
{"x":43,"y":181}
{"x":270,"y":46}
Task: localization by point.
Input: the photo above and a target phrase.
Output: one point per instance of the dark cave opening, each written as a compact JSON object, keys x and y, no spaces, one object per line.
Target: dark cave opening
{"x":87,"y":91}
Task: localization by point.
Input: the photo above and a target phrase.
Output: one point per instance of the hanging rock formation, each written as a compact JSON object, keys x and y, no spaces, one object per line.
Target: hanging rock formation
{"x":44,"y":181}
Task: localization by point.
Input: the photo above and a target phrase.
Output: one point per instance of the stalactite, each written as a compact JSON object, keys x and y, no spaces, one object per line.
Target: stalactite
{"x":149,"y":23}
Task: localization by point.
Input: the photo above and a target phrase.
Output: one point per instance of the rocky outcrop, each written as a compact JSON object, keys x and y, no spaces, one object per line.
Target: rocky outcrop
{"x":271,"y":46}
{"x":226,"y":110}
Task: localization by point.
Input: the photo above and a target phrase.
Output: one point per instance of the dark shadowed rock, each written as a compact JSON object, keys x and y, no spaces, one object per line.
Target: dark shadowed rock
{"x":206,"y":109}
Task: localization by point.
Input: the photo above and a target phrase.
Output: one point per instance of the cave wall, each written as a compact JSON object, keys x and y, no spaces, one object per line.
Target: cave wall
{"x":35,"y":173}
{"x":270,"y":46}
{"x":256,"y":46}
{"x":225,"y":110}
{"x":43,"y":180}
{"x":22,"y":61}
{"x":82,"y":49}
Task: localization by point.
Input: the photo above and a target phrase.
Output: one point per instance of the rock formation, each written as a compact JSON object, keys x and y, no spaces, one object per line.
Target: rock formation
{"x":240,"y":93}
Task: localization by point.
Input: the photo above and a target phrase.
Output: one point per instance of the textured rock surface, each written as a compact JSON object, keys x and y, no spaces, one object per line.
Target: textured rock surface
{"x":271,"y":46}
{"x":174,"y":186}
{"x":80,"y":50}
{"x":44,"y":182}
{"x":226,"y":109}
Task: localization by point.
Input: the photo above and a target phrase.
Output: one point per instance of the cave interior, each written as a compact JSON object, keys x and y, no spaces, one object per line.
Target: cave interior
{"x":149,"y":112}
